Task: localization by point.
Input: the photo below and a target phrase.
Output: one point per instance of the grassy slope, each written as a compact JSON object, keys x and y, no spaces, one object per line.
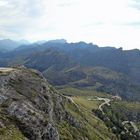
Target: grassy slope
{"x":94,"y":128}
{"x":80,"y":92}
{"x":123,"y":110}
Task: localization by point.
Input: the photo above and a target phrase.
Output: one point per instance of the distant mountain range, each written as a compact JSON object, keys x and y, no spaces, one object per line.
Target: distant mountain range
{"x":8,"y":45}
{"x":82,"y":65}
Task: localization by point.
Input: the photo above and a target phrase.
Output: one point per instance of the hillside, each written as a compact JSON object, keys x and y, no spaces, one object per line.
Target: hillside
{"x":122,"y":117}
{"x":32,"y":109}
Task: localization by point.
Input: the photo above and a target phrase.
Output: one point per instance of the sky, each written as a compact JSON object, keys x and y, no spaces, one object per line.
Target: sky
{"x":103,"y":22}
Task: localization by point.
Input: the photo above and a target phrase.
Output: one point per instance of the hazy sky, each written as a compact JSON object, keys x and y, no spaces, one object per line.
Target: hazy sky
{"x":103,"y":22}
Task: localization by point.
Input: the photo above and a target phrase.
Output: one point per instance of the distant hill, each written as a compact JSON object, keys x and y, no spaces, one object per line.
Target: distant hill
{"x":51,"y":41}
{"x":8,"y":45}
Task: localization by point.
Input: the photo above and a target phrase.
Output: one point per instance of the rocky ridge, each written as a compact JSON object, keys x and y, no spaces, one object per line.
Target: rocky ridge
{"x":28,"y":99}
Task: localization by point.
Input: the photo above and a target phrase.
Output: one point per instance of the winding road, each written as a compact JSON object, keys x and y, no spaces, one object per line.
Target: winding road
{"x":106,"y":102}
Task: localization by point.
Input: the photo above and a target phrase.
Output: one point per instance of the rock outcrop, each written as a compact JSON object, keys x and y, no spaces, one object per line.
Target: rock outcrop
{"x":31,"y":103}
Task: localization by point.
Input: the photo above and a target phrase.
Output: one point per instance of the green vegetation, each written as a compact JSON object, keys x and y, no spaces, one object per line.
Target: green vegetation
{"x":81,"y":92}
{"x":8,"y":130}
{"x":11,"y":133}
{"x":125,"y":110}
{"x":120,"y":112}
{"x":86,"y":104}
{"x":82,"y":109}
{"x":89,"y":125}
{"x":95,"y":79}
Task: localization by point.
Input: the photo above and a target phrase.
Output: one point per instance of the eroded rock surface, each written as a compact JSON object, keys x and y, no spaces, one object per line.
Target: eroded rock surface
{"x":28,"y":99}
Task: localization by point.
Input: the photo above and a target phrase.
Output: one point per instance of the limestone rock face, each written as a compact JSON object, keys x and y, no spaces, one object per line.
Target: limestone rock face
{"x":27,"y":98}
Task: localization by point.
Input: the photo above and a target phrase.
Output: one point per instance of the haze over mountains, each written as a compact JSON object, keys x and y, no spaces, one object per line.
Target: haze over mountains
{"x":9,"y":45}
{"x":81,"y":64}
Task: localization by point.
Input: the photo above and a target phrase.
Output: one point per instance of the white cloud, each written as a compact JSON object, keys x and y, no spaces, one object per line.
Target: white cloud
{"x":105,"y":22}
{"x":3,"y":3}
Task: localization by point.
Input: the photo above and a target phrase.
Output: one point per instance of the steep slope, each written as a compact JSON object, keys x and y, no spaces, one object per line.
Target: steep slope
{"x":31,"y":109}
{"x":49,"y":59}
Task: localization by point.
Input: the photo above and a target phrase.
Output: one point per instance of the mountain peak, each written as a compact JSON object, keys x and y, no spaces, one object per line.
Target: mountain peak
{"x":58,"y":41}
